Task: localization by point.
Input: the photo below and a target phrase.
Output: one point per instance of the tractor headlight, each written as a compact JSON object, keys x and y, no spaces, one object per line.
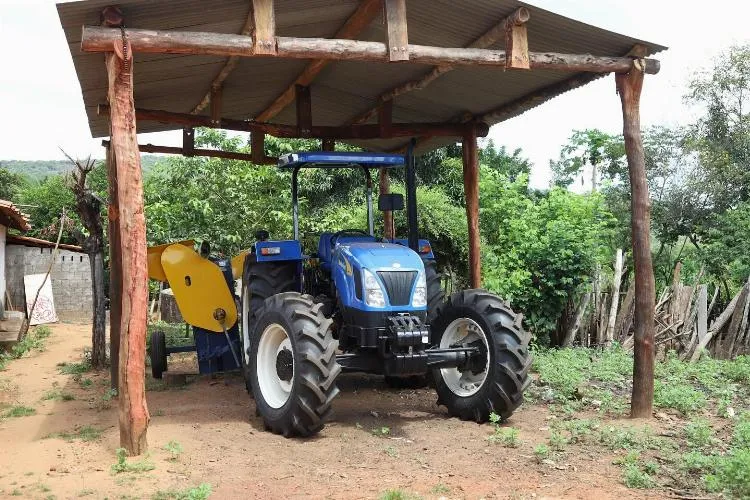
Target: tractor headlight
{"x":420,"y":292}
{"x":374,"y":296}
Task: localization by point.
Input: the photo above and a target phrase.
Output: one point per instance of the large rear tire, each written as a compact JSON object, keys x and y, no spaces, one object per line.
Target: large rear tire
{"x":497,"y":383}
{"x":260,"y":280}
{"x":293,"y":364}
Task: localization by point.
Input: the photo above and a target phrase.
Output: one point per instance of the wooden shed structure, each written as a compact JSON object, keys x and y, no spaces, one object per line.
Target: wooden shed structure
{"x":373,"y":73}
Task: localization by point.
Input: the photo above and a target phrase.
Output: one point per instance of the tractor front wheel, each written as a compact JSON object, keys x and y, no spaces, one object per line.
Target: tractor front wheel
{"x":293,"y":364}
{"x":494,"y":381}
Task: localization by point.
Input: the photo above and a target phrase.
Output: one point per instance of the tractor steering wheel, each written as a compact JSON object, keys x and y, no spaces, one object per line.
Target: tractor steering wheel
{"x":346,"y":232}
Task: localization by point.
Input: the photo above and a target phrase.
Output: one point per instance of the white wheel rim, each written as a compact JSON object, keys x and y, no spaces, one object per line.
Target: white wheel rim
{"x":246,"y":326}
{"x":273,"y":340}
{"x":463,"y":331}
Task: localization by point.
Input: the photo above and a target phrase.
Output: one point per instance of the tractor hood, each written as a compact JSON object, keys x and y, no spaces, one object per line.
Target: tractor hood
{"x":379,"y":256}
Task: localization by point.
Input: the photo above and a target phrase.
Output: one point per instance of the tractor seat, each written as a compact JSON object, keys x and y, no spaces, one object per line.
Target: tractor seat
{"x":325,"y":249}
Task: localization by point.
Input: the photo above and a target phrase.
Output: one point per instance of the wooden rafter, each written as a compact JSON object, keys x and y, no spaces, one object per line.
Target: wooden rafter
{"x":98,"y":39}
{"x":362,"y":17}
{"x":229,"y":66}
{"x":264,"y":38}
{"x":519,"y":16}
{"x":210,"y":153}
{"x":292,"y":131}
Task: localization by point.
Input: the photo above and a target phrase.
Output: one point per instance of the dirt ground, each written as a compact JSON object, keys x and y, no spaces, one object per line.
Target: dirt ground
{"x":423,"y":453}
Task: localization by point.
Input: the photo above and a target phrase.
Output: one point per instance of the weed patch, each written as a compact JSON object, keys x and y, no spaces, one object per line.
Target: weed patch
{"x":19,"y":411}
{"x":84,"y":433}
{"x":201,"y":492}
{"x":123,"y":465}
{"x":174,"y":449}
{"x":35,"y":340}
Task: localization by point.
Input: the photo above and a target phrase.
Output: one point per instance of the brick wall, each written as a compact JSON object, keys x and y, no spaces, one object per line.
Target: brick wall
{"x":71,"y":279}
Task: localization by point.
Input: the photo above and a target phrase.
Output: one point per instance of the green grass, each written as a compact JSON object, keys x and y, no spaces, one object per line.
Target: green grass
{"x":383,"y":431}
{"x":19,"y":411}
{"x":440,"y":489}
{"x":699,"y":433}
{"x":541,"y":452}
{"x":397,"y":494}
{"x":84,"y":433}
{"x":35,"y":340}
{"x":123,"y":465}
{"x":174,"y":449}
{"x":74,"y":368}
{"x":200,"y":492}
{"x":57,"y":394}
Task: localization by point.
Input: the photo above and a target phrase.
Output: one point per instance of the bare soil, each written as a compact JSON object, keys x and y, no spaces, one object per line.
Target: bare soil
{"x":423,"y":452}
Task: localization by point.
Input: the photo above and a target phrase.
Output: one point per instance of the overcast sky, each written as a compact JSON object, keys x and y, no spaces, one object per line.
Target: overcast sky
{"x":43,"y":109}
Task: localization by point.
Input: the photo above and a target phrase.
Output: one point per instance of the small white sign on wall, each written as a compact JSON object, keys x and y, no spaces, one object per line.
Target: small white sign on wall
{"x":44,"y":311}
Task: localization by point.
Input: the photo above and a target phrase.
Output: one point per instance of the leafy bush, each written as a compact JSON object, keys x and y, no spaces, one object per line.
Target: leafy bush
{"x":699,"y":433}
{"x":680,"y":396}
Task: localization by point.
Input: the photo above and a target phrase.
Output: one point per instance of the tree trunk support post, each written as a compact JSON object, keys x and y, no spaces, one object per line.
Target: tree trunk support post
{"x":115,"y":270}
{"x":133,"y":412}
{"x":258,"y":147}
{"x":384,"y":187}
{"x":304,"y":111}
{"x":470,"y":150}
{"x":328,"y":145}
{"x":216,"y":94}
{"x":629,"y":88}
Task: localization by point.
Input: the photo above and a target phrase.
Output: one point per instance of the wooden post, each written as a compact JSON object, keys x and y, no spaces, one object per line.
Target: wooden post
{"x":629,"y":87}
{"x":258,"y":147}
{"x":516,"y":47}
{"x":616,"y":282}
{"x":384,"y":187}
{"x":216,"y":94}
{"x":385,"y":118}
{"x":470,"y":150}
{"x":304,"y":111}
{"x":115,"y":271}
{"x":264,"y":39}
{"x":188,"y":141}
{"x":133,"y":411}
{"x":398,"y":38}
{"x":328,"y":145}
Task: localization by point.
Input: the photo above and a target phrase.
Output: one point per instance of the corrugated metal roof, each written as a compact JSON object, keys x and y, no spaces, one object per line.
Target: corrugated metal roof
{"x":11,"y":216}
{"x":345,"y":89}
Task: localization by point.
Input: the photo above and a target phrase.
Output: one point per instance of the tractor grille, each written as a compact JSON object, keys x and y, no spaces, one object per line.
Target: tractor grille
{"x":398,"y":285}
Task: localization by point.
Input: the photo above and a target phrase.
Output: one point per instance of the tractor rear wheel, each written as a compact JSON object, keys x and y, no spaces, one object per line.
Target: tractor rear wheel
{"x":293,"y":364}
{"x":495,"y":382}
{"x":158,"y":354}
{"x":260,"y":280}
{"x":435,"y":297}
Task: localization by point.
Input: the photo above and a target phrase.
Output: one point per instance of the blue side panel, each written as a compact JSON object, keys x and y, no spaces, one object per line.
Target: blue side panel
{"x":422,"y":243}
{"x":279,"y":251}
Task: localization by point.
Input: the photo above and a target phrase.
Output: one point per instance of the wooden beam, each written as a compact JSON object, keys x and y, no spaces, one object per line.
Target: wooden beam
{"x":188,"y":141}
{"x":264,"y":38}
{"x":385,"y":118}
{"x":304,"y":110}
{"x":210,"y":153}
{"x":216,"y":97}
{"x":519,"y":16}
{"x":396,"y":32}
{"x":353,"y":26}
{"x":516,"y":47}
{"x":98,"y":39}
{"x":133,"y":411}
{"x":229,"y":66}
{"x":328,"y":145}
{"x":258,"y":147}
{"x":470,"y":150}
{"x":384,"y":187}
{"x":629,"y":87}
{"x":318,"y":132}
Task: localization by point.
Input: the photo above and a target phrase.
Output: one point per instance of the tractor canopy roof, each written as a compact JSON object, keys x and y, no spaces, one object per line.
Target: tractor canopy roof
{"x":326,"y":159}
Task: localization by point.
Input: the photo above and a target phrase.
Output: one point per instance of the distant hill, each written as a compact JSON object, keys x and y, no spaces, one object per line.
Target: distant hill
{"x":39,"y":169}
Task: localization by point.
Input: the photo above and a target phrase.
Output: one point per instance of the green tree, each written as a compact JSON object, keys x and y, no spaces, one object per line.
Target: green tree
{"x":10,"y":184}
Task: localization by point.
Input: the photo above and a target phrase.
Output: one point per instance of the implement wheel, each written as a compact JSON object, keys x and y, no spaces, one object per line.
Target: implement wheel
{"x":260,"y":280}
{"x":293,"y":364}
{"x":493,"y":382}
{"x":158,"y":354}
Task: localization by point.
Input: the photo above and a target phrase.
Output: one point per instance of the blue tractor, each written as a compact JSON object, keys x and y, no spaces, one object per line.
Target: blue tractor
{"x":364,"y":303}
